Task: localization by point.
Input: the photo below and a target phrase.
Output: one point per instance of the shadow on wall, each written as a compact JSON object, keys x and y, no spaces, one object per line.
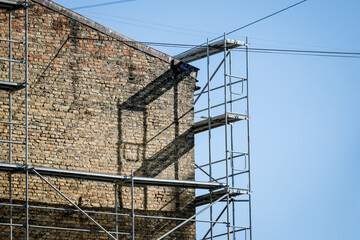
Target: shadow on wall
{"x":136,"y":109}
{"x":137,"y":154}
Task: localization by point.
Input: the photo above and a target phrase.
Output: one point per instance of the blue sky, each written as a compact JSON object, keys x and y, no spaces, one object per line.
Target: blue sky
{"x":305,"y":110}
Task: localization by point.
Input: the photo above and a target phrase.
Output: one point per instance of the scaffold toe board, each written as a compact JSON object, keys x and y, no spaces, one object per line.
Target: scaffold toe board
{"x":218,"y":121}
{"x":212,"y":197}
{"x":10,"y":5}
{"x":200,"y":51}
{"x":11,"y":86}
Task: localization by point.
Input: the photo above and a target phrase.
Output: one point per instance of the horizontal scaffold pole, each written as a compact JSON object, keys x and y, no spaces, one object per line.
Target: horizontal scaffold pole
{"x":112,"y":178}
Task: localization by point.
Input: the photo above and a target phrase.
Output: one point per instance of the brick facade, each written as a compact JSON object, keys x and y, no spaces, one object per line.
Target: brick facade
{"x":96,"y":104}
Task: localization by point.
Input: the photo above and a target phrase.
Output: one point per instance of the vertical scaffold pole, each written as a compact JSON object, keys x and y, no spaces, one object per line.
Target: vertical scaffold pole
{"x":10,"y":125}
{"x":10,"y":93}
{"x":232,"y":143}
{"x":248,"y":131}
{"x":209,"y":119}
{"x":26,"y":116}
{"x":116,"y":211}
{"x":226,"y":141}
{"x":132,"y":206}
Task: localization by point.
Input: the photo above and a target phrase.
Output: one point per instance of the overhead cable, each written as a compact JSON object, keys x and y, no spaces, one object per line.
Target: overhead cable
{"x":254,"y":50}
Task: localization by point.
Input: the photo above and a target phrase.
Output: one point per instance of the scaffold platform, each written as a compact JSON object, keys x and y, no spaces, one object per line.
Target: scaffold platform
{"x":10,"y":5}
{"x":218,"y":121}
{"x":113,"y":178}
{"x":11,"y":86}
{"x":212,"y":197}
{"x":200,"y":52}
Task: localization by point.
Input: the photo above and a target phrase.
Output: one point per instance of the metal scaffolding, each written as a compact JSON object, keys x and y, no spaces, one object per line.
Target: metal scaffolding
{"x":231,"y":193}
{"x":12,"y":86}
{"x":232,"y":95}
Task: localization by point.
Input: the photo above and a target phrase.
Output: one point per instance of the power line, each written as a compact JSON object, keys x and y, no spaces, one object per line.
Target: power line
{"x":254,"y":50}
{"x":305,"y":54}
{"x":96,"y":14}
{"x":271,"y":50}
{"x":263,"y":18}
{"x":174,"y":27}
{"x":305,"y":51}
{"x":183,"y":28}
{"x":180,"y":28}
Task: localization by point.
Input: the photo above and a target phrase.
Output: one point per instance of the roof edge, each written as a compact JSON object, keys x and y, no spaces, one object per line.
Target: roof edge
{"x":111,"y":33}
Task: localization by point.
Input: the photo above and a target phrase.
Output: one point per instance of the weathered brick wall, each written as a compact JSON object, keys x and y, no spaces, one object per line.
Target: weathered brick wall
{"x":96,"y":104}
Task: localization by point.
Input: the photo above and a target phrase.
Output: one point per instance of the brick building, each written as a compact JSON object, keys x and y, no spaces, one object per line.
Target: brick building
{"x":99,"y":102}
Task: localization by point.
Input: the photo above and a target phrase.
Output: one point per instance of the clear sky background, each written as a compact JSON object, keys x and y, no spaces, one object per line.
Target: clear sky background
{"x":305,"y":110}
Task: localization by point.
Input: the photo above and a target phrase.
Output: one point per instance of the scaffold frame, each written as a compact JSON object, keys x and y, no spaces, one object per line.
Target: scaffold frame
{"x":227,"y":121}
{"x":218,"y":192}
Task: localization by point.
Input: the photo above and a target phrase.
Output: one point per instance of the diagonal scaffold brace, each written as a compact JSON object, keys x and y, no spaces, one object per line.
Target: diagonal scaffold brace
{"x":72,"y":203}
{"x":189,"y":219}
